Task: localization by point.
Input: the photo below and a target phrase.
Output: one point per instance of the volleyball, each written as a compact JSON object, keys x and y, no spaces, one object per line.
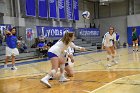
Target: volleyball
{"x":86,"y":14}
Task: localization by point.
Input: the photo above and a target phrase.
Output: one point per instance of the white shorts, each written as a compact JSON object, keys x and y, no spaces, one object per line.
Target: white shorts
{"x":10,"y":51}
{"x":108,"y":44}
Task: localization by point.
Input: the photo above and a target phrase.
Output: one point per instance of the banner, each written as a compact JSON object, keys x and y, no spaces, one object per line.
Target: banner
{"x":75,"y":10}
{"x":52,"y":31}
{"x":88,"y":32}
{"x":52,"y":9}
{"x":61,"y":7}
{"x":4,"y":27}
{"x":29,"y":34}
{"x":42,"y":8}
{"x":69,"y":9}
{"x":30,"y":8}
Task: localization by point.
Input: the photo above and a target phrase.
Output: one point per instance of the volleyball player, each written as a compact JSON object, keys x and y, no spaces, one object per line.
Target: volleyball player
{"x":134,"y":39}
{"x":56,"y":54}
{"x":69,"y":62}
{"x":109,"y":45}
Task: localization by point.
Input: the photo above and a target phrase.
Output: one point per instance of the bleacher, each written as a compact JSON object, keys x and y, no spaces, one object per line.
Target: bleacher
{"x":94,"y":41}
{"x":91,"y":44}
{"x":88,"y":45}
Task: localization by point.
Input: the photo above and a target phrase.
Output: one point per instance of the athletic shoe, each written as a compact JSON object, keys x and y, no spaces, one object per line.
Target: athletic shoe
{"x":114,"y":61}
{"x":51,"y":78}
{"x":109,"y":65}
{"x":43,"y":80}
{"x":13,"y":68}
{"x":63,"y":79}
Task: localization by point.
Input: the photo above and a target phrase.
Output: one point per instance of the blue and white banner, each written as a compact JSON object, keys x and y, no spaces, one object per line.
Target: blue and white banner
{"x":4,"y":27}
{"x":61,"y":7}
{"x":52,"y":31}
{"x":75,"y":10}
{"x":69,"y":9}
{"x":30,"y":8}
{"x":43,"y":8}
{"x":88,"y":32}
{"x":29,"y":34}
{"x":52,"y":9}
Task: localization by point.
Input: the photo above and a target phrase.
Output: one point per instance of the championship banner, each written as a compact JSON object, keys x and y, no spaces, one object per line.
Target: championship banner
{"x":4,"y":27}
{"x":69,"y":9}
{"x":61,"y":7}
{"x":42,"y":8}
{"x":52,"y":31}
{"x":75,"y":10}
{"x":30,"y":8}
{"x":88,"y":32}
{"x":29,"y":34}
{"x":52,"y":9}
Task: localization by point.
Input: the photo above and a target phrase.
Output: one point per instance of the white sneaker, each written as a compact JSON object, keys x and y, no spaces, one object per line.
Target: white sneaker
{"x":114,"y":61}
{"x":51,"y":78}
{"x":63,"y":79}
{"x":109,"y":65}
{"x":46,"y":82}
{"x":5,"y":66}
{"x":13,"y":68}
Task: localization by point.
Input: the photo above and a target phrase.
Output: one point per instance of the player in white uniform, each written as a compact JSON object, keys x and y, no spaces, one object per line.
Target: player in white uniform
{"x":56,"y":54}
{"x":109,"y":45}
{"x":69,"y":62}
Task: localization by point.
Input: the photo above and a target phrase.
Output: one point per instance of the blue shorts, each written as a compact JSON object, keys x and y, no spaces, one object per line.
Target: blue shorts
{"x":51,"y":55}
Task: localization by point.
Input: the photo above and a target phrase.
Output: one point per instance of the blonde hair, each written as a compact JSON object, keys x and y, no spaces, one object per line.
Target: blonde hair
{"x":67,"y":37}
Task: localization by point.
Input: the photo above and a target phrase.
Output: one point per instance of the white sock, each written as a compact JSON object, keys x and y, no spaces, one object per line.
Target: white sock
{"x":62,"y":67}
{"x":62,"y":75}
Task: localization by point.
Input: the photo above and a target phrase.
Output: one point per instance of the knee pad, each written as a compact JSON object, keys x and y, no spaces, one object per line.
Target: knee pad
{"x":133,"y":44}
{"x":137,"y":44}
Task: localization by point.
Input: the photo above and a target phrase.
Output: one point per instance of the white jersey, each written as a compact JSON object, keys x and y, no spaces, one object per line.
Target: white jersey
{"x":59,"y":48}
{"x":108,"y":39}
{"x":70,"y":51}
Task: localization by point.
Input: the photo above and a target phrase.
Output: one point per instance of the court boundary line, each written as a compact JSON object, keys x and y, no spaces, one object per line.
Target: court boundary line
{"x":94,"y":91}
{"x":108,"y":69}
{"x":46,"y":59}
{"x":37,"y":74}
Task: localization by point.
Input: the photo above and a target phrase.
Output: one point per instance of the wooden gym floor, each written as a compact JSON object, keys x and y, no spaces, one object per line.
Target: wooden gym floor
{"x":91,"y":75}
